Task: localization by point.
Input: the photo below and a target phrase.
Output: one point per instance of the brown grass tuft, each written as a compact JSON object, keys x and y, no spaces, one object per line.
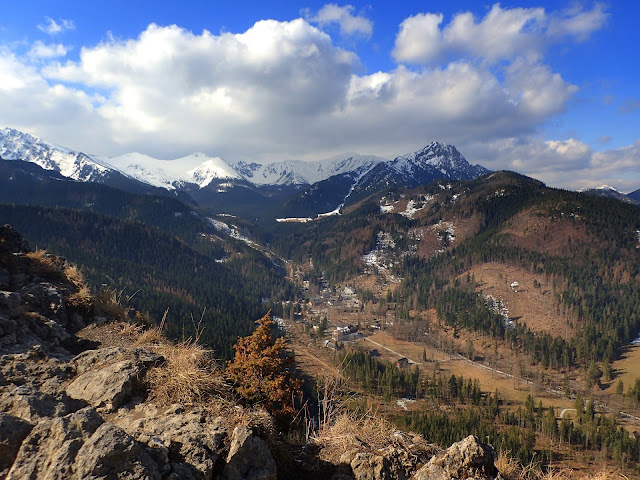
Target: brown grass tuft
{"x":83,"y":296}
{"x":508,"y":467}
{"x":189,"y":375}
{"x":367,"y":433}
{"x":44,"y":264}
{"x":107,"y":305}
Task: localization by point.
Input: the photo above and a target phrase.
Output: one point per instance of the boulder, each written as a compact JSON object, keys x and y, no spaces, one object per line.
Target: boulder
{"x":32,"y":405}
{"x":390,"y":463}
{"x":109,"y":387}
{"x":93,"y":359}
{"x":11,"y":241}
{"x":112,"y":454}
{"x":50,"y":449}
{"x":249,"y":458}
{"x":193,"y":442}
{"x":468,"y":458}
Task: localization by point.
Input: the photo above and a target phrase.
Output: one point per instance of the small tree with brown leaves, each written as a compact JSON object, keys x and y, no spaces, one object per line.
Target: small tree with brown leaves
{"x":262,"y":370}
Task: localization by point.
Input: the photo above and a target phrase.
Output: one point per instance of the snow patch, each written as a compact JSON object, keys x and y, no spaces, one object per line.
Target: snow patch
{"x":497,"y":306}
{"x":403,"y":402}
{"x":231,"y":231}
{"x":448,"y":232}
{"x":387,"y":208}
{"x":378,"y":257}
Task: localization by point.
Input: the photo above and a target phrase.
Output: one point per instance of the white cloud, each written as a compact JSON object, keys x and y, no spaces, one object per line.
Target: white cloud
{"x":419,"y":38}
{"x":40,"y":50}
{"x":561,"y":163}
{"x":504,"y":33}
{"x":342,"y":16}
{"x":577,"y":23}
{"x":285,"y":90}
{"x":52,"y":27}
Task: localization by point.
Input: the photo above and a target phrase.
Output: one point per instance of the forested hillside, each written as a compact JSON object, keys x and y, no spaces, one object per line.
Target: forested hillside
{"x":157,"y":271}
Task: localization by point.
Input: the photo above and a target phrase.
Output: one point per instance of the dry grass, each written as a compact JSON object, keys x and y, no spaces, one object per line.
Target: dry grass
{"x":190,"y":375}
{"x":367,"y":433}
{"x":45,"y":265}
{"x":107,"y":305}
{"x":510,"y":469}
{"x":83,"y":296}
{"x":150,"y":337}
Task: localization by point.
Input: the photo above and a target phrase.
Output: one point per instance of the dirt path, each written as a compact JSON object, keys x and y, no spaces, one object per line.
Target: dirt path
{"x":412,"y":362}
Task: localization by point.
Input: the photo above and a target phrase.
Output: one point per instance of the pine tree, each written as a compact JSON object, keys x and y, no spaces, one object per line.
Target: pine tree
{"x":262,"y":370}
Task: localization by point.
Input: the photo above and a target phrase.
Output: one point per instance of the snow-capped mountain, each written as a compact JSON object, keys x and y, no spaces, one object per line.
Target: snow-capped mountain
{"x":610,"y":192}
{"x":296,"y":172}
{"x":331,"y":182}
{"x":197,"y":168}
{"x":437,"y":159}
{"x":433,"y":162}
{"x":16,"y":145}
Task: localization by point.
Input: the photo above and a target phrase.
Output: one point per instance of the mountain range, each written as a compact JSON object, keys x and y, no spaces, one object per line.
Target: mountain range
{"x":320,"y":185}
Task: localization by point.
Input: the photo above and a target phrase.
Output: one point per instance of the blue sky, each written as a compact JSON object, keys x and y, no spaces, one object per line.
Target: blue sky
{"x":549,"y":89}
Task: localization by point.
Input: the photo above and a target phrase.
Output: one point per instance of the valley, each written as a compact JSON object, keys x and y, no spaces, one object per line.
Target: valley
{"x":485,"y":302}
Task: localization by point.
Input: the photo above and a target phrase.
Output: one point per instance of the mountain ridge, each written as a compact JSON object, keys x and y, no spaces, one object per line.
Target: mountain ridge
{"x":201,"y":169}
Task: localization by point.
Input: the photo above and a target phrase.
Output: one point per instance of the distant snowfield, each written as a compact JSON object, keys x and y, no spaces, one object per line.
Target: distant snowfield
{"x":198,"y":168}
{"x":310,"y":219}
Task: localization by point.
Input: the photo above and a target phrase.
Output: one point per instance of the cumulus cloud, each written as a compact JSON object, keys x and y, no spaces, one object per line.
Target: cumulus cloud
{"x":577,"y":23}
{"x":504,"y":33}
{"x":285,"y":90}
{"x":280,"y":89}
{"x":561,"y":163}
{"x":52,"y":27}
{"x":349,"y":23}
{"x":40,"y":50}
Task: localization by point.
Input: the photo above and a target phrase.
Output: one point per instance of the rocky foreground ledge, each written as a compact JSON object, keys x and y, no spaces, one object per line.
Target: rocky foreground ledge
{"x":74,"y":409}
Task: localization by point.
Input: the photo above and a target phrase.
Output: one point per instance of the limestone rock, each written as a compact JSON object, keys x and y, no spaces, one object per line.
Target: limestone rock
{"x":465,"y":459}
{"x":108,"y":387}
{"x":50,"y":450}
{"x":388,"y":464}
{"x":13,"y":431}
{"x":194,"y":443}
{"x":11,"y":241}
{"x":249,"y":458}
{"x":93,"y":359}
{"x":112,"y":454}
{"x":32,"y":405}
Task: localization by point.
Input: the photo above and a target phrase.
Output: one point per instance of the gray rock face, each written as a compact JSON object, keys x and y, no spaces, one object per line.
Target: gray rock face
{"x":388,"y":464}
{"x":13,"y":431}
{"x":33,"y":405}
{"x":11,"y":241}
{"x":110,"y":376}
{"x":94,"y":359}
{"x":106,"y":388}
{"x":111,"y":454}
{"x":194,"y":443}
{"x":465,"y":459}
{"x":50,"y":450}
{"x":249,"y":458}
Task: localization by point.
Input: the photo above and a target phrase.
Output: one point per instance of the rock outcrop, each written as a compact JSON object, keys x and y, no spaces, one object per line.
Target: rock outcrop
{"x":70,"y":415}
{"x":466,"y":459}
